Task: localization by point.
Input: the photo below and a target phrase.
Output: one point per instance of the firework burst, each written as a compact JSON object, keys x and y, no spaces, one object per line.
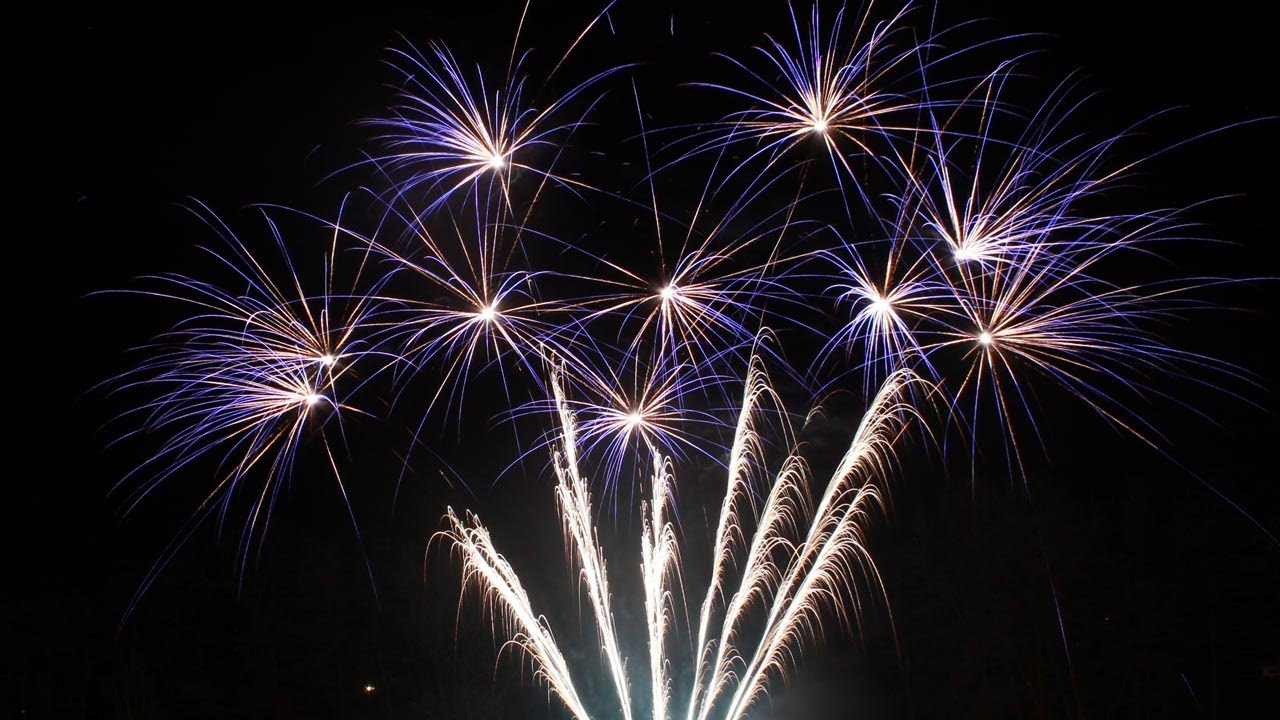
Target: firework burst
{"x":854,"y":91}
{"x":464,"y":307}
{"x":456,"y":131}
{"x":245,"y":381}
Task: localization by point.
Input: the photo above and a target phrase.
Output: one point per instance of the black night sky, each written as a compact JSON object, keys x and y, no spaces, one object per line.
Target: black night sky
{"x":1169,"y":596}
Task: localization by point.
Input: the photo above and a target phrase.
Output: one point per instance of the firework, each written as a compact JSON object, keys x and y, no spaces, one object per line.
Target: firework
{"x":778,"y":562}
{"x":891,"y":300}
{"x":709,"y":294}
{"x":245,"y":380}
{"x":1018,"y":236}
{"x":854,"y":91}
{"x":456,"y":131}
{"x":622,"y":416}
{"x":464,"y":306}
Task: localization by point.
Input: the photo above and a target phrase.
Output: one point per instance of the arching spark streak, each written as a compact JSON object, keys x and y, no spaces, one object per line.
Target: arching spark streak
{"x":658,"y":557}
{"x":493,"y":575}
{"x":574,"y":500}
{"x":744,"y":450}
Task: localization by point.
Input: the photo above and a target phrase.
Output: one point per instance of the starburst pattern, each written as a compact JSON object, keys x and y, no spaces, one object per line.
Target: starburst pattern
{"x":458,"y":131}
{"x":854,"y":88}
{"x":242,"y":383}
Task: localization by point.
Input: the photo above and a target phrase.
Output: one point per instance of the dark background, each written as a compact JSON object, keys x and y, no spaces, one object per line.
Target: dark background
{"x":1167,"y":594}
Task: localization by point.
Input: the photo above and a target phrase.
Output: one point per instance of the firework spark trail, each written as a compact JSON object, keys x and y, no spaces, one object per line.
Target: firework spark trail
{"x":991,"y":199}
{"x":991,"y":206}
{"x":1091,"y":338}
{"x":575,"y":511}
{"x":651,"y":412}
{"x":251,"y":366}
{"x":624,"y":415}
{"x":710,"y":289}
{"x":740,"y":489}
{"x":1027,"y":273}
{"x":816,"y":564}
{"x":823,"y":566}
{"x":681,"y":335}
{"x":484,"y":566}
{"x":893,"y":305}
{"x":820,"y":568}
{"x":684,"y":334}
{"x":999,"y":249}
{"x":450,"y":127}
{"x":659,"y":560}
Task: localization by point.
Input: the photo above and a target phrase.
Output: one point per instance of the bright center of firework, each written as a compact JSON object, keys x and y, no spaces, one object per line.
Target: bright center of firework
{"x":667,"y":293}
{"x":328,"y":360}
{"x":880,"y":306}
{"x":496,"y":162}
{"x":963,"y":254}
{"x":308,"y":399}
{"x":634,"y":420}
{"x":820,"y":126}
{"x":487,"y":314}
{"x":985,"y":338}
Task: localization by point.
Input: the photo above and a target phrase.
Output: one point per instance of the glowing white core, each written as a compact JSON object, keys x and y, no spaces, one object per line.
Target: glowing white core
{"x":667,"y":292}
{"x":985,"y":338}
{"x":820,"y":126}
{"x":312,"y":399}
{"x":880,"y":306}
{"x":963,"y":254}
{"x":328,"y":360}
{"x":634,"y":420}
{"x":496,"y":162}
{"x":488,"y":314}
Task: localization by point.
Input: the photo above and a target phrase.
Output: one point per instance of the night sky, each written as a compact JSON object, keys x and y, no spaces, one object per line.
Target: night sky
{"x":1167,"y":593}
